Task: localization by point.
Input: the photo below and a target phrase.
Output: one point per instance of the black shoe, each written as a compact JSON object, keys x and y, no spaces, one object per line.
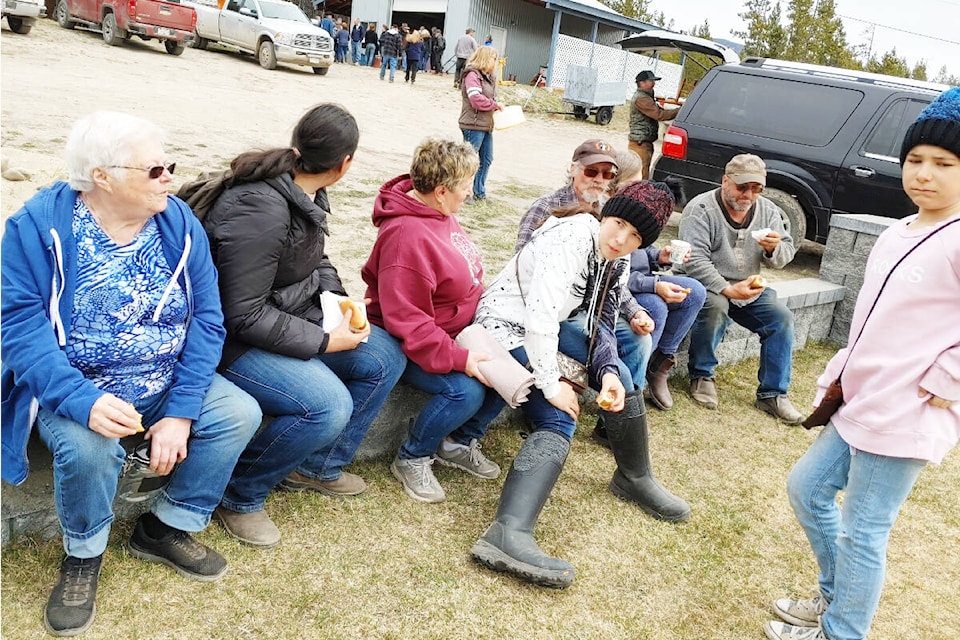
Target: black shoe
{"x":72,"y":604}
{"x":178,"y":550}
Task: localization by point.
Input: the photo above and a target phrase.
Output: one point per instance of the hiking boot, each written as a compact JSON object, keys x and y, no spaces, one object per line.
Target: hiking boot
{"x":801,"y":613}
{"x":777,"y":630}
{"x":599,"y":434}
{"x":657,"y":375}
{"x":469,"y":459}
{"x":178,"y":550}
{"x":704,"y":392}
{"x":72,"y":604}
{"x":416,"y":476}
{"x":254,"y":528}
{"x":348,"y":484}
{"x":780,"y":408}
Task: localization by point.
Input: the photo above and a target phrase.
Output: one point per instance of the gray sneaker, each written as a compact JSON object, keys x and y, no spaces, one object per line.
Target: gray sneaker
{"x":469,"y":459}
{"x":801,"y":613}
{"x":417,"y":478}
{"x":777,"y":630}
{"x":780,"y":408}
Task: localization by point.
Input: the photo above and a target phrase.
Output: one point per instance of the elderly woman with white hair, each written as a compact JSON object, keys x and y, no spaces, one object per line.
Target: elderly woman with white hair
{"x":112,"y":326}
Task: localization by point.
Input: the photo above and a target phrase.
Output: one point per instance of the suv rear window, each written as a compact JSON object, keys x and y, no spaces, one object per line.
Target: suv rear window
{"x":792,"y":111}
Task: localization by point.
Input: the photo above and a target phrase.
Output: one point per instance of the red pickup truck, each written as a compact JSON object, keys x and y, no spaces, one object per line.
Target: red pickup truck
{"x":118,"y":20}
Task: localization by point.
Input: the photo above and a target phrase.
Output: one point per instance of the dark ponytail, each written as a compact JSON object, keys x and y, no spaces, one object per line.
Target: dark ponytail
{"x":325,"y":135}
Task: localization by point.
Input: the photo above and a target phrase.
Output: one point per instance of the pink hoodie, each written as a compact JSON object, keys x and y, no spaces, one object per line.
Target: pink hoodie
{"x":911,"y":340}
{"x":424,"y":277}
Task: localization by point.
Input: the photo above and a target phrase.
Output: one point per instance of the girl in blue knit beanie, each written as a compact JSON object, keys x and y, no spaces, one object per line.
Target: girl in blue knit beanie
{"x":900,"y":406}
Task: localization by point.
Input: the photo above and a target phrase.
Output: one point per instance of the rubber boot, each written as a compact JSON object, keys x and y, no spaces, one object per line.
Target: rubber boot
{"x":600,"y":433}
{"x":508,"y":544}
{"x":633,"y":480}
{"x":657,"y":374}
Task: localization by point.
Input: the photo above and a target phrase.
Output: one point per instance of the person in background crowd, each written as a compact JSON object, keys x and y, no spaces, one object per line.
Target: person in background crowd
{"x":439,"y":44}
{"x":343,"y":42}
{"x":466,"y":47}
{"x":356,"y":36}
{"x":571,"y":263}
{"x":732,"y":231}
{"x":328,"y":25}
{"x":479,"y":101}
{"x":645,"y":117}
{"x":112,"y":326}
{"x":426,"y":40}
{"x":370,"y":42}
{"x":901,"y":402}
{"x":323,"y":388}
{"x":424,"y":277}
{"x":413,"y":48}
{"x":390,"y":45}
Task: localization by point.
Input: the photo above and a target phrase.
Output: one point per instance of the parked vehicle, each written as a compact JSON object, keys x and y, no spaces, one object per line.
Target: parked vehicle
{"x":119,"y":20}
{"x":830,"y":137}
{"x":274,"y":30}
{"x":21,"y":15}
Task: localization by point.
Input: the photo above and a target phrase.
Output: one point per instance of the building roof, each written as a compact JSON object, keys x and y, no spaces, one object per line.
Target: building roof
{"x":596,"y":10}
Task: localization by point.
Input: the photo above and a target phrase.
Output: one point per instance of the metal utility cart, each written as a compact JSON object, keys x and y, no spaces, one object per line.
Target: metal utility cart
{"x":590,"y":97}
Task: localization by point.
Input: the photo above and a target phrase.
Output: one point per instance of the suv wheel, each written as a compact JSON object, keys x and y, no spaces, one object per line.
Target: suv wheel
{"x":794,"y":218}
{"x":63,"y":15}
{"x":113,"y":35}
{"x":267,"y":55}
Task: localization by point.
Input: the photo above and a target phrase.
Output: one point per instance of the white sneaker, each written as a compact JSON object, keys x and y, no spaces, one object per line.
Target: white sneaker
{"x":416,"y":476}
{"x":468,"y":459}
{"x":801,"y":613}
{"x":777,"y":630}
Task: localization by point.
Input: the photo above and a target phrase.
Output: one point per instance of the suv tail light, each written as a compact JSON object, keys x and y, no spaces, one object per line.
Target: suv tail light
{"x":675,"y":143}
{"x":132,"y":8}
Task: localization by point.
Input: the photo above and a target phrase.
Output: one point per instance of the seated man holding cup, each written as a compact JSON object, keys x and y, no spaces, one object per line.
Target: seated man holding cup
{"x":733,"y":230}
{"x":673,"y":303}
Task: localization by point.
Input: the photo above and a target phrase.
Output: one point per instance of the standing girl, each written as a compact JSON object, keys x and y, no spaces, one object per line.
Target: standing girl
{"x":478,"y":90}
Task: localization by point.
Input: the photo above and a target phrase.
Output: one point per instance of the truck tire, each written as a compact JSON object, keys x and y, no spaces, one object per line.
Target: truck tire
{"x":113,"y":35}
{"x":321,"y":71}
{"x":794,"y":218}
{"x":267,"y":55}
{"x":173,"y":47}
{"x":604,"y":115}
{"x":63,"y":15}
{"x":198,"y":42}
{"x":17,"y":26}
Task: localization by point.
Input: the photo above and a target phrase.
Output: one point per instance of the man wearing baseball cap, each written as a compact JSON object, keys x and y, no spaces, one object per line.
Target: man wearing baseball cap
{"x":733,"y":231}
{"x":645,"y":117}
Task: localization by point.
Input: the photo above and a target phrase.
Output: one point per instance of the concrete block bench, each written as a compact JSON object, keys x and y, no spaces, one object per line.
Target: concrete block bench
{"x":29,"y":509}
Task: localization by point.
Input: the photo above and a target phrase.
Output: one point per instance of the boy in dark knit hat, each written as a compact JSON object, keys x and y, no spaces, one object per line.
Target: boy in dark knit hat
{"x":901,"y":393}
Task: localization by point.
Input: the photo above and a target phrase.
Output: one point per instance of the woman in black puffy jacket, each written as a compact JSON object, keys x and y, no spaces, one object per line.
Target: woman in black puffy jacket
{"x":323,"y":387}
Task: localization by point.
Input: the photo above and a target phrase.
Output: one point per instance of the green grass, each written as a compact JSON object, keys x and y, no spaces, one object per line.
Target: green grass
{"x":383,"y":566}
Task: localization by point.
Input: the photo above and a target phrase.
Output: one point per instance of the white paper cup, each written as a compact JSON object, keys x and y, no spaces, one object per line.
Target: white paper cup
{"x":678,"y":251}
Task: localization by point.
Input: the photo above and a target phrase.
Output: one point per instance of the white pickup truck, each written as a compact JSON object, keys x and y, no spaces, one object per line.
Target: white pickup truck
{"x":22,"y":14}
{"x":273,"y":30}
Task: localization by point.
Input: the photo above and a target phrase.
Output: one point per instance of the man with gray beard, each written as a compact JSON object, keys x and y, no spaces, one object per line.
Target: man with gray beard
{"x":732,"y":231}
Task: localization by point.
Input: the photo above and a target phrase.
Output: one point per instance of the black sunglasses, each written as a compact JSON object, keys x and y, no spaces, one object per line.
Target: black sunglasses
{"x":590,"y":172}
{"x":152,"y":172}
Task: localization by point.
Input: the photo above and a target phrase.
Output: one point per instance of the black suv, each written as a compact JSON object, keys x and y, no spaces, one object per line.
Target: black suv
{"x":830,"y":137}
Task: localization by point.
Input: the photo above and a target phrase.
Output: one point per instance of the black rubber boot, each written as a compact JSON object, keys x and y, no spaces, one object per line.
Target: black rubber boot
{"x":633,"y":480}
{"x":600,"y":433}
{"x":508,"y":544}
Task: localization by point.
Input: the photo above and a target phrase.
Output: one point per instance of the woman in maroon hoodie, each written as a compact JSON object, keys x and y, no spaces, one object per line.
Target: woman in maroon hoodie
{"x":424,"y":278}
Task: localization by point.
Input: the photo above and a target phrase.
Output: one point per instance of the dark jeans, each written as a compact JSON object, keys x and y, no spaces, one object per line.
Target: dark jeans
{"x":461,"y":63}
{"x":673,"y":321}
{"x":411,"y":74}
{"x":767,"y":317}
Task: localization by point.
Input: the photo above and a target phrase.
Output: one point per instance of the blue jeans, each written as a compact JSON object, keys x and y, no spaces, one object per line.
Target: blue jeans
{"x":460,"y":407}
{"x":323,"y":408}
{"x":355,"y":51}
{"x":370,"y":54}
{"x":634,"y":350}
{"x":538,"y":409}
{"x":87,"y":465}
{"x":850,"y":542}
{"x":388,"y":61}
{"x":672,"y":321}
{"x":482,"y":141}
{"x":765,"y":316}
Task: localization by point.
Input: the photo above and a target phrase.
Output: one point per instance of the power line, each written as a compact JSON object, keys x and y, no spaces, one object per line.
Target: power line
{"x":912,"y":33}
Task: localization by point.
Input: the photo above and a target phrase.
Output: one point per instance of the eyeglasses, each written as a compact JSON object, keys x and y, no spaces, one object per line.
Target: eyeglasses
{"x":590,"y":172}
{"x":753,"y":188}
{"x":153,"y":172}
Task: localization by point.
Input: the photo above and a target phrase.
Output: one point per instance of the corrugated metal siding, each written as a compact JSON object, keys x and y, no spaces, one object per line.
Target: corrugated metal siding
{"x":370,"y":11}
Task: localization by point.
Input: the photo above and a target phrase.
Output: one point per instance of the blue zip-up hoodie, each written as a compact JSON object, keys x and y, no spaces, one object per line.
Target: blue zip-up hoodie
{"x":39,"y":277}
